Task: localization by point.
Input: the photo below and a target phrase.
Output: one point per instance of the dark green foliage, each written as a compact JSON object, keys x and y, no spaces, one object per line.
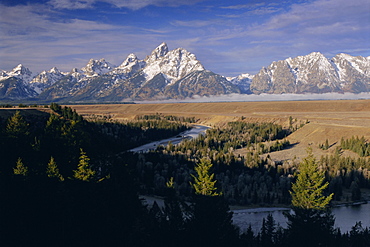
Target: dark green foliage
{"x":357,"y":145}
{"x":84,"y":171}
{"x":171,"y":118}
{"x":52,"y":170}
{"x":310,"y":227}
{"x":342,"y":172}
{"x":16,"y":126}
{"x":325,"y":146}
{"x":47,"y":207}
{"x":63,"y":134}
{"x":47,"y":212}
{"x":20,"y":169}
{"x":242,"y":180}
{"x":204,"y":183}
{"x":211,"y":222}
{"x":311,"y":224}
{"x":308,"y":190}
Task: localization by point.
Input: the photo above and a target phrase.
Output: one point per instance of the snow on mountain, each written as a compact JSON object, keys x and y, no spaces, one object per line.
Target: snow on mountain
{"x":242,"y":81}
{"x":173,"y":64}
{"x":314,"y":73}
{"x":15,"y":83}
{"x":19,"y":72}
{"x":45,"y":79}
{"x":175,"y":74}
{"x":130,"y":66}
{"x":97,"y":67}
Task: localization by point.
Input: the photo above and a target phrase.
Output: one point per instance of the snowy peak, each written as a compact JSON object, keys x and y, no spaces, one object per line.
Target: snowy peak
{"x":242,"y":81}
{"x":97,"y":67}
{"x":131,"y":59}
{"x":314,"y":73}
{"x":360,"y":64}
{"x":173,"y":64}
{"x":19,"y":72}
{"x":158,"y":52}
{"x":130,"y":66}
{"x":45,"y":79}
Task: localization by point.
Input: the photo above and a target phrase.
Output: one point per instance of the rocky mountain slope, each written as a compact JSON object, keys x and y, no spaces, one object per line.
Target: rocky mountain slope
{"x":163,"y":74}
{"x":177,"y":74}
{"x":314,"y":73}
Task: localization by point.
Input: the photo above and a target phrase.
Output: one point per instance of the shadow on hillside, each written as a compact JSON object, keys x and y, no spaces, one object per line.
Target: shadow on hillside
{"x":6,"y":113}
{"x":292,"y":145}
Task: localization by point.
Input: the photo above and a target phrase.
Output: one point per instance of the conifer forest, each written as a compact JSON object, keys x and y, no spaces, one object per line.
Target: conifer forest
{"x":69,"y":181}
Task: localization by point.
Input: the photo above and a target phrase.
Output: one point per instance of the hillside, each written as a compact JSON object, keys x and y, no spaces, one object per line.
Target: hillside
{"x":330,"y":120}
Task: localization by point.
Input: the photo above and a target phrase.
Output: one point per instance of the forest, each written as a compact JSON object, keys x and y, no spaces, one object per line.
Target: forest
{"x":71,"y":182}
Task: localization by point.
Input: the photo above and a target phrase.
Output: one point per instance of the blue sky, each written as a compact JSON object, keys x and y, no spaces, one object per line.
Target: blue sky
{"x":228,"y":37}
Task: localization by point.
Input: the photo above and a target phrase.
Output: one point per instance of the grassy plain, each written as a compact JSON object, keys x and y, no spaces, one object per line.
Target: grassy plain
{"x":329,"y":120}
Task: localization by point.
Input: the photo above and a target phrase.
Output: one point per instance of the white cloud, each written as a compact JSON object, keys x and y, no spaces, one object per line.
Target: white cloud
{"x":131,"y":4}
{"x":195,"y":23}
{"x":71,"y":4}
{"x":40,"y":41}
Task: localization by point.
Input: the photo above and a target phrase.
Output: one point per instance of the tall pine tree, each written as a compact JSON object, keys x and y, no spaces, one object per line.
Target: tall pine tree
{"x":204,"y":183}
{"x":211,"y":222}
{"x":84,"y":171}
{"x":52,"y":170}
{"x":311,"y":223}
{"x":20,"y":168}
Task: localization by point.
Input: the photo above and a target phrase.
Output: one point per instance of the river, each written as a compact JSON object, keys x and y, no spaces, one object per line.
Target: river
{"x":345,"y":217}
{"x":194,"y":132}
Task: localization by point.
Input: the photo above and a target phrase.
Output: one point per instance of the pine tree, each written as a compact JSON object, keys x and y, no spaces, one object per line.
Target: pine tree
{"x":17,"y":126}
{"x":211,"y":222}
{"x":52,"y":170}
{"x":307,"y":191}
{"x":84,"y":171}
{"x":311,"y":224}
{"x":20,"y":168}
{"x":204,"y":181}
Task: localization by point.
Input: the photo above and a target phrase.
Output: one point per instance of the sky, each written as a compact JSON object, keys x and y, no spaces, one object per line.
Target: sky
{"x":228,"y":37}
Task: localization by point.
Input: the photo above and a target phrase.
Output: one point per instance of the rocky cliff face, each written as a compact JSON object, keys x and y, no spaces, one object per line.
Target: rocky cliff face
{"x":314,"y":73}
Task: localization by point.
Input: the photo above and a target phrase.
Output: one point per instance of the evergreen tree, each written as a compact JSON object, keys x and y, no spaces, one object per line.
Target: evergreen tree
{"x":52,"y":170}
{"x":16,"y":126}
{"x":175,"y":214}
{"x":20,"y":168}
{"x":307,"y":191}
{"x":84,"y":171}
{"x":204,"y":181}
{"x":311,"y":223}
{"x":355,"y":189}
{"x":211,"y":222}
{"x":268,"y":231}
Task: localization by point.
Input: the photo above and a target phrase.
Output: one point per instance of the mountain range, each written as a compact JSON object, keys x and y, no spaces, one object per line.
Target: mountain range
{"x":177,"y":74}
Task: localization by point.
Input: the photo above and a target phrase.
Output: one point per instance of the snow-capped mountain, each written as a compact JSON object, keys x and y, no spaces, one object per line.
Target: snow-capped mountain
{"x":45,"y":79}
{"x":314,"y":73}
{"x":14,"y":84}
{"x":97,"y":67}
{"x":177,"y":74}
{"x":128,"y":67}
{"x":19,"y":72}
{"x":150,"y":78}
{"x":174,"y":65}
{"x":243,"y":82}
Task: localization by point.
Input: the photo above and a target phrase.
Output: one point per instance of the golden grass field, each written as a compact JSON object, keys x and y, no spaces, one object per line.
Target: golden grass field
{"x":330,"y":120}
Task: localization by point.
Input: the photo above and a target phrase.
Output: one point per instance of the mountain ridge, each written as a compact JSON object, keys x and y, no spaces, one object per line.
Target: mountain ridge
{"x":178,"y":74}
